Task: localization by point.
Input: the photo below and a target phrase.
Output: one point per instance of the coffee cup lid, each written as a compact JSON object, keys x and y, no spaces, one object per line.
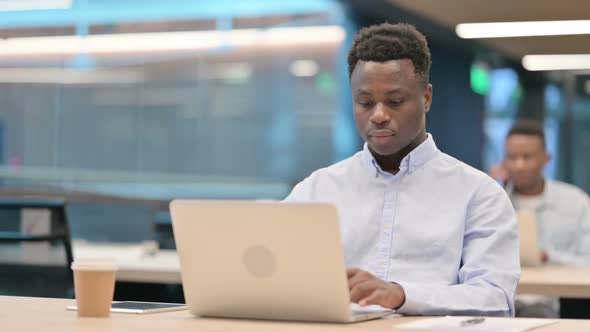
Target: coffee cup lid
{"x":95,"y":264}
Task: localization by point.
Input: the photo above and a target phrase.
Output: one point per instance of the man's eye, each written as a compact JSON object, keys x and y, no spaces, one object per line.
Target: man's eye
{"x":395,"y":103}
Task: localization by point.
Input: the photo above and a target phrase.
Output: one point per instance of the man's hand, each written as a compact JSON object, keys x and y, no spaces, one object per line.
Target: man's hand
{"x":499,"y":172}
{"x":366,"y":289}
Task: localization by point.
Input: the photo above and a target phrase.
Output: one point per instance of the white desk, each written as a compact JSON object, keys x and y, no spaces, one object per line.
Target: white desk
{"x":49,"y":315}
{"x":134,"y":262}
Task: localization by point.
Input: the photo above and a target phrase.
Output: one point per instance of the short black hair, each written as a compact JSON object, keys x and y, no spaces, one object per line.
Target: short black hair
{"x":385,"y":42}
{"x":528,"y":127}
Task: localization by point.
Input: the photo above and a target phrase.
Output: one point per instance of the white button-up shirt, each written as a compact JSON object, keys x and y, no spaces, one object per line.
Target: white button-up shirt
{"x":443,"y":230}
{"x":563,"y":219}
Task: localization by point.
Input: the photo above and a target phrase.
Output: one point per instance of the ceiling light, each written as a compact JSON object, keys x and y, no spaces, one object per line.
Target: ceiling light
{"x":68,"y":76}
{"x":169,"y":41}
{"x":304,"y":68}
{"x":22,"y":5}
{"x":556,"y":62}
{"x":522,"y":29}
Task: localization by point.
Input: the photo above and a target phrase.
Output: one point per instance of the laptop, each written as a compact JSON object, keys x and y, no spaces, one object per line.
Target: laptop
{"x":530,"y":253}
{"x":264,"y":260}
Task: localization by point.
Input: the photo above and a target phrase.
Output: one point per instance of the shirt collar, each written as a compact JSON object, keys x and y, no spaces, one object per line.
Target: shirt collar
{"x":416,"y":158}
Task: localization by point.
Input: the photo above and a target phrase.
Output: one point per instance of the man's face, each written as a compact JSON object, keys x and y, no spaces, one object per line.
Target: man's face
{"x":390,"y":103}
{"x":525,"y":159}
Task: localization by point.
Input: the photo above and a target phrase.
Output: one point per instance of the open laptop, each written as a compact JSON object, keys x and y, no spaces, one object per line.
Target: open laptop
{"x":530,"y":253}
{"x":263,"y":260}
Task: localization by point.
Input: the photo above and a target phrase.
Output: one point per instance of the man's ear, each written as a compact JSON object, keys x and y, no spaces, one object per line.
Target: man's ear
{"x":427,"y":98}
{"x":547,"y":158}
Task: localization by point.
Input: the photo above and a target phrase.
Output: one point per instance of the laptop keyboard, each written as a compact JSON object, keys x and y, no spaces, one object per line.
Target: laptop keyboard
{"x":372,"y":309}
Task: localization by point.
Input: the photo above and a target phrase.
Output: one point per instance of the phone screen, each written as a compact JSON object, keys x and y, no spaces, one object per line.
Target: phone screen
{"x":141,"y":307}
{"x":132,"y":305}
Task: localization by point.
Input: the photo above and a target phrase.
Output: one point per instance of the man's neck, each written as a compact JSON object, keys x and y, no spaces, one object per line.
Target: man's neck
{"x":534,"y":190}
{"x":391,"y":162}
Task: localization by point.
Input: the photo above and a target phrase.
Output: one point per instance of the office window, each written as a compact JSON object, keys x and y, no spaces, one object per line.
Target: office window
{"x":501,"y":107}
{"x":580,"y":135}
{"x":175,"y":106}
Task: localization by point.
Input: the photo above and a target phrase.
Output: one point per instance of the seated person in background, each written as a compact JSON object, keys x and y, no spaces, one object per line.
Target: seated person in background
{"x":423,"y":233}
{"x":562,"y":211}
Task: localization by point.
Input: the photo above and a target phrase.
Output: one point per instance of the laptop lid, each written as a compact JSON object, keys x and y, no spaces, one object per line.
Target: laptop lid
{"x":265,"y":260}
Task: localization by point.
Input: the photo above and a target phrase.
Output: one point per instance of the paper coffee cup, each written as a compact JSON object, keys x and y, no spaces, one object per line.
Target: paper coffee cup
{"x":94,"y":285}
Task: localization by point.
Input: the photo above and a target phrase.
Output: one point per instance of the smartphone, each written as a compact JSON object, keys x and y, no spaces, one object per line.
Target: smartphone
{"x":135,"y":307}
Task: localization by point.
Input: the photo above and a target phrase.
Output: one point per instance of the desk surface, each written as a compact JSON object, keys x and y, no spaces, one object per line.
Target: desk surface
{"x":561,"y":281}
{"x":49,"y":315}
{"x":136,"y":264}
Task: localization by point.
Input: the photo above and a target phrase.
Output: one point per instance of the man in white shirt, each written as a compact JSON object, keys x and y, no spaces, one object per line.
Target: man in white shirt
{"x":562,"y":211}
{"x":423,"y":233}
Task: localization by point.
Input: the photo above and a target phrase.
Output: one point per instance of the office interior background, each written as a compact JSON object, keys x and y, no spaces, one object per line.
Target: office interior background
{"x":121,"y":105}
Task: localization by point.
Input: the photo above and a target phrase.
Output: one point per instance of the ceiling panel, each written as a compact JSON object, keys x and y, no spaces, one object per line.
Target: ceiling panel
{"x":449,"y":13}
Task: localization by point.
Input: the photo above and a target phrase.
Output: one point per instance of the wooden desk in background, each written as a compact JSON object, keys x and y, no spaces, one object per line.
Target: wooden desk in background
{"x":559,"y":281}
{"x":50,"y":315}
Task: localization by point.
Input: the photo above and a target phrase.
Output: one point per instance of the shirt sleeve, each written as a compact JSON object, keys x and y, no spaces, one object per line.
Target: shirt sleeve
{"x":579,"y":252}
{"x":490,"y":264}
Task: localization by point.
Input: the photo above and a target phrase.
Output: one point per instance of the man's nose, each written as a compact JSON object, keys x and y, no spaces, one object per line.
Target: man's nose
{"x":380,"y":115}
{"x":519,"y":163}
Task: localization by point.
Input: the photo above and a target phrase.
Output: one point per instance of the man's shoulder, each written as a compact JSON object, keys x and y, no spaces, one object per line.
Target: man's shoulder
{"x":566,"y":191}
{"x":463,"y":169}
{"x":326,"y":178}
{"x":341,"y":168}
{"x":468,"y":178}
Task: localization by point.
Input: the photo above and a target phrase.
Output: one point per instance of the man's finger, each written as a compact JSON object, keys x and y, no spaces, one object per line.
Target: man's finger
{"x":362,"y":290}
{"x":358,"y":277}
{"x":352,"y":272}
{"x":375,"y":297}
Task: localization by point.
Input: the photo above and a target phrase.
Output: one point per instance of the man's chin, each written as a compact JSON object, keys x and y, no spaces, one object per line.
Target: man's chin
{"x":521,"y":185}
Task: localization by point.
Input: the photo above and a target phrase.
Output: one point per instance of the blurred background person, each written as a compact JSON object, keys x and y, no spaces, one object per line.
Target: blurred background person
{"x":561,"y":210}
